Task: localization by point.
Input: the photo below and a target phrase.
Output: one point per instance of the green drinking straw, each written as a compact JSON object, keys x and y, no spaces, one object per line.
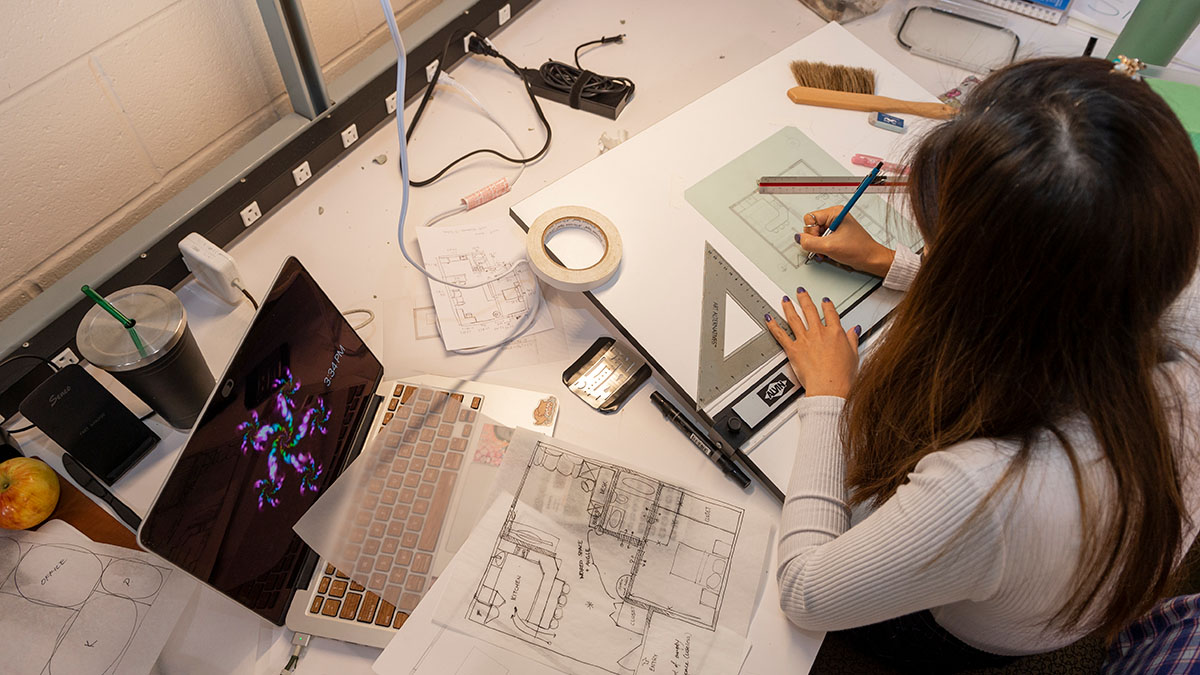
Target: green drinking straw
{"x":116,"y":314}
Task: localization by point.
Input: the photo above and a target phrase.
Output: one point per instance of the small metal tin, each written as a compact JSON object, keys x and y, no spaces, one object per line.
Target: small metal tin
{"x":606,"y":375}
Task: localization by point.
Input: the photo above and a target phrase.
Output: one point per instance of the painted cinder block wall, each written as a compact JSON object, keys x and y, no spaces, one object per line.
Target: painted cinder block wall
{"x":108,"y":109}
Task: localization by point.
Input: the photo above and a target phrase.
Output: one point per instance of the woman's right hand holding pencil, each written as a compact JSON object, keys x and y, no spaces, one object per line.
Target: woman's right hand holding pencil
{"x":849,"y":244}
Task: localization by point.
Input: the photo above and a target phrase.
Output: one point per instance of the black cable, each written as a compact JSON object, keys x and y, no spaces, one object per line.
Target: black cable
{"x":253,"y":302}
{"x":477,"y":46}
{"x":563,"y":77}
{"x":15,"y":357}
{"x":43,"y":359}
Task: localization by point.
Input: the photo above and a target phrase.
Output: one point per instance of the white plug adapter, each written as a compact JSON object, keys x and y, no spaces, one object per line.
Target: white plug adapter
{"x":215,"y":269}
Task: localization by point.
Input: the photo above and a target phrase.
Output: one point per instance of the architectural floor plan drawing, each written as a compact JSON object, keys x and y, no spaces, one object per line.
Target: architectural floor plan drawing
{"x":763,"y":226}
{"x":773,"y":217}
{"x":595,"y":567}
{"x":505,"y":299}
{"x":468,"y":254}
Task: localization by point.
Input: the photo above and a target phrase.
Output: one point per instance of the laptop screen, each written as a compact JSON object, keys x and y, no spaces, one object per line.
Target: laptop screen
{"x":271,"y":439}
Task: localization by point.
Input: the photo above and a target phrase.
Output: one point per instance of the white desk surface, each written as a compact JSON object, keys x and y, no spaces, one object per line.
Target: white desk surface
{"x":342,"y":227}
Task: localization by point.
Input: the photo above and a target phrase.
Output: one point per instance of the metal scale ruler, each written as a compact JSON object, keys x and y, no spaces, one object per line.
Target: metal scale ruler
{"x":825,"y":185}
{"x":717,"y":372}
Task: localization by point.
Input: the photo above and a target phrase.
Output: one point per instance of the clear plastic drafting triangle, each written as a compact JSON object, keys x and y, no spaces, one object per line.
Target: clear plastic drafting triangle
{"x":740,"y":327}
{"x":734,"y":341}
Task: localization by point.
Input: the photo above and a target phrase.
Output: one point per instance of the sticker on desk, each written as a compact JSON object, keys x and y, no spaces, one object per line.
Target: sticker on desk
{"x":493,"y":440}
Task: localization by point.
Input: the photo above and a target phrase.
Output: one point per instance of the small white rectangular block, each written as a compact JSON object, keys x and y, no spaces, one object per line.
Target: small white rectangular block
{"x":888,"y":122}
{"x":349,"y":135}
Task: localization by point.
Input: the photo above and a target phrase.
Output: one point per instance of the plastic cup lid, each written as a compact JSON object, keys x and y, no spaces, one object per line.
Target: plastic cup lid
{"x":159,"y":319}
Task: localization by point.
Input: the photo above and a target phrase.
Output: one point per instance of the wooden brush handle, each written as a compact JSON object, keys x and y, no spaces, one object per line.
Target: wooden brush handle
{"x":827,"y":98}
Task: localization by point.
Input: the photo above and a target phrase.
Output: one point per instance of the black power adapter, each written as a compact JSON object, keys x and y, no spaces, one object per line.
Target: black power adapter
{"x":606,"y":104}
{"x":581,"y":89}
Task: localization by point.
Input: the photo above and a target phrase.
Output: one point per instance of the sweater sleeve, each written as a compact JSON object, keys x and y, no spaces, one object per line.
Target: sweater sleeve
{"x":912,"y":553}
{"x":1182,"y":320}
{"x":903,"y":270}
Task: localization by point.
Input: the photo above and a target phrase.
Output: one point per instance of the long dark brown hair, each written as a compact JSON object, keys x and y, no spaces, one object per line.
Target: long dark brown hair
{"x":1061,"y":215}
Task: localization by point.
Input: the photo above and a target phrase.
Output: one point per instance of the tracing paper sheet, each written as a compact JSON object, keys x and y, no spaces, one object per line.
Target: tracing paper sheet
{"x":591,"y":566}
{"x":395,"y":517}
{"x":71,"y":605}
{"x":763,"y":226}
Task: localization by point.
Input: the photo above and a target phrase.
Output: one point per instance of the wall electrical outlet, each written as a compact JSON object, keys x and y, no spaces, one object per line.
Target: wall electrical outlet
{"x":505,"y":14}
{"x":301,"y":174}
{"x":250,"y":214}
{"x":349,"y":135}
{"x":430,"y":70}
{"x":66,"y":358}
{"x":467,"y":42}
{"x":390,"y":103}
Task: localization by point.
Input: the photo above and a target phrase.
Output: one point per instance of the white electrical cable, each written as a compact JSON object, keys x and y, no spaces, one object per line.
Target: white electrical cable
{"x":401,"y":64}
{"x":360,"y":310}
{"x":531,"y":315}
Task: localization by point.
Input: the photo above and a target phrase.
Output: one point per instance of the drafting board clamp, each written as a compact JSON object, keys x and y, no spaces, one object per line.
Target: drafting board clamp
{"x":723,"y":365}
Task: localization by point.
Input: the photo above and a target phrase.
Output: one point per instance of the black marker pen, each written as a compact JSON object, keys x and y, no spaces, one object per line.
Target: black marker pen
{"x":697,"y":438}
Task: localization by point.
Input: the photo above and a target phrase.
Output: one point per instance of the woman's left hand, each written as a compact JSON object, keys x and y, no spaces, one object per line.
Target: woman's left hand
{"x":823,"y":355}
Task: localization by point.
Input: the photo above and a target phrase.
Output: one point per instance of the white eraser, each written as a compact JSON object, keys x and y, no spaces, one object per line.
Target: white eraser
{"x":889,"y":122}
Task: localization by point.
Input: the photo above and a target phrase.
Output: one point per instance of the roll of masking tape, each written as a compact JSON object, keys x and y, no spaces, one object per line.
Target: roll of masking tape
{"x":567,"y":278}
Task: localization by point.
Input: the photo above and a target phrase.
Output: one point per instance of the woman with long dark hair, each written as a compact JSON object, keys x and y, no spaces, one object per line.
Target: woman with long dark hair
{"x":1013,"y":465}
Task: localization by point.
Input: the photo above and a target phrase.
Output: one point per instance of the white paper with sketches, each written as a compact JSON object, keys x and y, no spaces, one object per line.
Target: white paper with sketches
{"x":590,"y":566}
{"x":422,"y":647}
{"x":474,"y":252}
{"x":77,"y":606}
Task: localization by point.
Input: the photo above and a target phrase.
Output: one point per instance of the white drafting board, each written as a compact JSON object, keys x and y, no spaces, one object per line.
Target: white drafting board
{"x":643,"y":187}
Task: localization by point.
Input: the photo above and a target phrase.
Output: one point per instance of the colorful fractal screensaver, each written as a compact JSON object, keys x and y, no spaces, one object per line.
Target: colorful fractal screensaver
{"x":279,"y":433}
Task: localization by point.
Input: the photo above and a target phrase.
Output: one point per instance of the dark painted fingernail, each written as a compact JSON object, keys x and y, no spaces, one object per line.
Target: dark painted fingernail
{"x":786,"y":299}
{"x":797,"y":237}
{"x":858,"y":330}
{"x":824,"y":299}
{"x":768,"y":317}
{"x":819,"y":258}
{"x":799,"y":290}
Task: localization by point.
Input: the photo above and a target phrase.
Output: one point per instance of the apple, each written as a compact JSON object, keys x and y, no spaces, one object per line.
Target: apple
{"x":28,"y":492}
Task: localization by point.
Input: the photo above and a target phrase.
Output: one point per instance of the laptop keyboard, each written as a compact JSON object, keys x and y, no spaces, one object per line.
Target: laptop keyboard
{"x":403,"y":507}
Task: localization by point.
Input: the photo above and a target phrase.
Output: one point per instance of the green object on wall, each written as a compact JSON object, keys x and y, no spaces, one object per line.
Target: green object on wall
{"x":1156,"y":30}
{"x":1184,"y":99}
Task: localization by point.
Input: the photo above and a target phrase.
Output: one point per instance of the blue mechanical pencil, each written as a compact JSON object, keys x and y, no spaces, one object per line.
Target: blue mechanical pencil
{"x":862,"y":187}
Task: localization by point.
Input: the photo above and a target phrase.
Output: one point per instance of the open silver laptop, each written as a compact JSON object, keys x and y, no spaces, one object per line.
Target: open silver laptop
{"x":300,"y":398}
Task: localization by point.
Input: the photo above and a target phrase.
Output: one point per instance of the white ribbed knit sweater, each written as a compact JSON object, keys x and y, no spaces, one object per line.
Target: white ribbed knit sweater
{"x":994,"y":584}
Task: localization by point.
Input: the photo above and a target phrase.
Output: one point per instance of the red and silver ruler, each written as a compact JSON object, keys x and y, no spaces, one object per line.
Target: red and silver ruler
{"x":825,"y":185}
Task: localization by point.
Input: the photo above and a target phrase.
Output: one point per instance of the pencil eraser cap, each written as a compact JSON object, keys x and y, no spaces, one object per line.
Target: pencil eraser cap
{"x":888,"y":122}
